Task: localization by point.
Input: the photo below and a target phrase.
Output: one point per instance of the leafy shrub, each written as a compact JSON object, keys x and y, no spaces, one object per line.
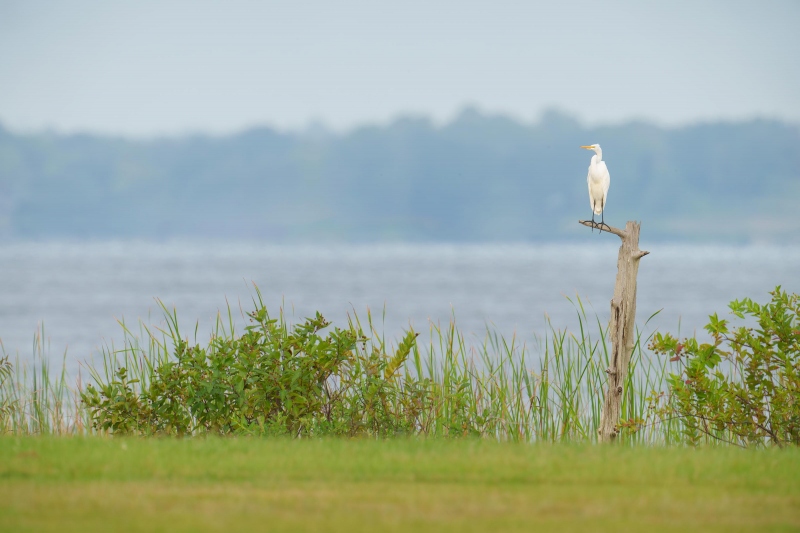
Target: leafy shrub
{"x":270,"y":380}
{"x":744,"y":387}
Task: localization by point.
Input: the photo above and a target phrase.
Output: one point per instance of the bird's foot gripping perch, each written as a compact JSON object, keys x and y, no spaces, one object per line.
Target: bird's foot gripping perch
{"x":599,"y":225}
{"x":604,"y":227}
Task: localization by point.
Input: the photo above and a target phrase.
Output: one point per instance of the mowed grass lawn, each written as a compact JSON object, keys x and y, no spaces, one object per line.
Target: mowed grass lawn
{"x":103,"y":484}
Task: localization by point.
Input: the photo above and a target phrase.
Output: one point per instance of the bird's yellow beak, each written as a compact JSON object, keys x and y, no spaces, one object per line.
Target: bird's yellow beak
{"x":588,"y":147}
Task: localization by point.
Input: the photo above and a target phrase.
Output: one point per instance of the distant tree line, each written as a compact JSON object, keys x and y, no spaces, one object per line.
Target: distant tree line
{"x":477,"y":178}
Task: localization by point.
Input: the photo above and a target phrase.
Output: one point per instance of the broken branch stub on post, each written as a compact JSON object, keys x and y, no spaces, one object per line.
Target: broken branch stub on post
{"x":621,"y":326}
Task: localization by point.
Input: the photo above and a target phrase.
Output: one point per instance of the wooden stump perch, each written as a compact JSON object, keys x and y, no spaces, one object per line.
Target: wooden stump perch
{"x":621,"y":326}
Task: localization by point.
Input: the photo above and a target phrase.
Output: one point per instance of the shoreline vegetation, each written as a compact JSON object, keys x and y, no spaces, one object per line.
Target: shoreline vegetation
{"x":550,"y":392}
{"x":314,"y":379}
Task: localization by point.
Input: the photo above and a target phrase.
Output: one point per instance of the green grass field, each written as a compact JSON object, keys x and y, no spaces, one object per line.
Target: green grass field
{"x":235,"y":484}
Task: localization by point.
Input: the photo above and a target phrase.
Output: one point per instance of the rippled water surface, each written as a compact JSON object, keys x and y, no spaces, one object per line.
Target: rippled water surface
{"x":79,"y":290}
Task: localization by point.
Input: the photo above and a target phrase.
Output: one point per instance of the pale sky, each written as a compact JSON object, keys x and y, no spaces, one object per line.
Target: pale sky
{"x":144,"y":68}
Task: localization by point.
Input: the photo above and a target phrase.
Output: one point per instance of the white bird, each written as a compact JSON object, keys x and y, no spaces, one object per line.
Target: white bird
{"x":598,"y":179}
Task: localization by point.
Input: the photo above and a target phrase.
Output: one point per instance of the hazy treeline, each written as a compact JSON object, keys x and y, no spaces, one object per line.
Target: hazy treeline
{"x":476,"y":178}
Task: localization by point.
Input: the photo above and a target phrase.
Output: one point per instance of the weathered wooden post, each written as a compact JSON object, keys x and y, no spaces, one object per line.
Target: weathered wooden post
{"x":621,"y":326}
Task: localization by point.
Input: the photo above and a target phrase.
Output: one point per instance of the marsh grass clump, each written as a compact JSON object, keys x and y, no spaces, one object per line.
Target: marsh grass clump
{"x":36,"y":401}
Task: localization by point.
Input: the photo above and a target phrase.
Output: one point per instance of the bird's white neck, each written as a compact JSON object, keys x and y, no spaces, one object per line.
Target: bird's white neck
{"x":598,"y":155}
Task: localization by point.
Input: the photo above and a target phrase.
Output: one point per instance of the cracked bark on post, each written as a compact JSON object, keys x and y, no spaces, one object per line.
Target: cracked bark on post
{"x":621,"y":326}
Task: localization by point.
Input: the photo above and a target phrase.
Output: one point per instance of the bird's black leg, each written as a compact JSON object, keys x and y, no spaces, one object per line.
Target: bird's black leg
{"x":593,"y":204}
{"x":602,"y":217}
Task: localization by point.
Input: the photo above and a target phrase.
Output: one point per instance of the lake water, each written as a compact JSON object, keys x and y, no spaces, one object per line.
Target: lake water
{"x":79,"y":290}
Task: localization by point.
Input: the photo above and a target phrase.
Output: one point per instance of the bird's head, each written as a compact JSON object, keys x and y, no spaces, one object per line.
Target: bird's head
{"x":595,"y":147}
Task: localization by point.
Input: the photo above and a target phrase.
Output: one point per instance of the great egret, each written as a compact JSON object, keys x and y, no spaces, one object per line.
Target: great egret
{"x":598,"y":179}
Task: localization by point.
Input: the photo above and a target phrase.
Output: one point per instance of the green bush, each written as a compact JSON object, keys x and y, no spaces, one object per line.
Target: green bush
{"x":271,"y":379}
{"x":744,"y":387}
